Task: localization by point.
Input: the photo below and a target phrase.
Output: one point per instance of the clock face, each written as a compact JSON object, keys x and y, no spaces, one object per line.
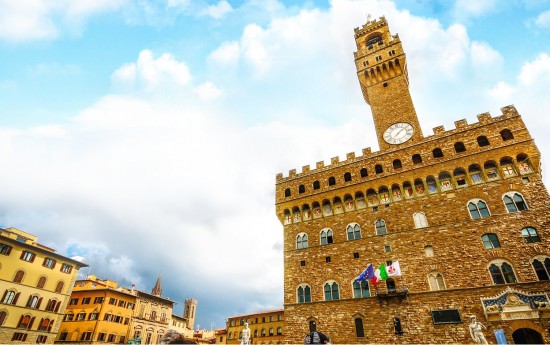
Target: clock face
{"x":398,"y":133}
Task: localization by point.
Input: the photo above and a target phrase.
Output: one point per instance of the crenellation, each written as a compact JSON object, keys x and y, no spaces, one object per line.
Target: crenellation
{"x":484,"y":118}
{"x":350,"y":156}
{"x":439,"y":130}
{"x":305,"y":169}
{"x":367,"y":151}
{"x":459,"y":124}
{"x":334,"y":160}
{"x":279,"y":177}
{"x":320,"y":164}
{"x":509,"y":111}
{"x":292,"y":173}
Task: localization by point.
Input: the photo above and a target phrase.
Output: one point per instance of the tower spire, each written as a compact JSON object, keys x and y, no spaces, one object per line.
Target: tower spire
{"x":157,"y":289}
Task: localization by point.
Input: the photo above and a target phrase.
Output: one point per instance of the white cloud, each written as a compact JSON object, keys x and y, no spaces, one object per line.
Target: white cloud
{"x":543,"y":20}
{"x":218,"y":10}
{"x":208,"y":91}
{"x":484,"y":55}
{"x":501,"y":90}
{"x":475,"y":8}
{"x":539,"y":69}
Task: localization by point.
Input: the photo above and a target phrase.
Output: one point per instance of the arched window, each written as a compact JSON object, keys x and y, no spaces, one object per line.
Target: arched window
{"x":255,"y":333}
{"x":474,"y":171}
{"x":502,"y":272}
{"x":271,"y":332}
{"x":380,"y":226}
{"x":416,"y":158}
{"x":507,"y":167}
{"x":354,"y":231}
{"x":506,"y":134}
{"x":432,"y":185}
{"x":364,"y":172}
{"x":478,"y":209}
{"x":59,"y":287}
{"x":279,"y":330}
{"x":459,"y":147}
{"x":541,"y":265}
{"x":491,"y":170}
{"x":331,"y":181}
{"x":18,"y":278}
{"x":3,"y":316}
{"x":263,"y":332}
{"x":347,"y":177}
{"x":9,"y":297}
{"x":378,"y":169}
{"x":437,"y":153}
{"x":33,"y":302}
{"x":301,"y":241}
{"x":390,"y":284}
{"x":316,"y":185}
{"x":429,"y":250}
{"x":41,"y":282}
{"x":420,"y":220}
{"x":326,"y":237}
{"x":397,"y":164}
{"x":490,"y":241}
{"x":359,"y":331}
{"x":482,"y":141}
{"x":514,"y":202}
{"x":331,"y":291}
{"x":287,"y":192}
{"x":361,"y":289}
{"x":44,"y":324}
{"x":530,"y":235}
{"x":436,"y":281}
{"x":301,"y":189}
{"x":24,"y":322}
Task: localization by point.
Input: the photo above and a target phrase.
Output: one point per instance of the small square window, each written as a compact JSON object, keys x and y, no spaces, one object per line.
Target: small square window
{"x":387,"y":205}
{"x":303,"y":263}
{"x":375,"y":209}
{"x":389,"y":262}
{"x":327,"y":258}
{"x":387,"y":249}
{"x":385,"y":84}
{"x":525,"y":180}
{"x":356,"y":255}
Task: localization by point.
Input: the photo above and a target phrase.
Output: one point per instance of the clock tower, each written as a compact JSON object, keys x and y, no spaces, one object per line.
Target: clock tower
{"x":382,"y":72}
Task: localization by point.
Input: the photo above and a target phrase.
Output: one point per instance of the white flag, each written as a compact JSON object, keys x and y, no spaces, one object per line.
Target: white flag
{"x":394,"y":269}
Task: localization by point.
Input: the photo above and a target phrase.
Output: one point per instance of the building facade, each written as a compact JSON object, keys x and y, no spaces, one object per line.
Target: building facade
{"x":265,"y":327}
{"x":35,"y":283}
{"x":98,"y":312}
{"x":464,"y":212}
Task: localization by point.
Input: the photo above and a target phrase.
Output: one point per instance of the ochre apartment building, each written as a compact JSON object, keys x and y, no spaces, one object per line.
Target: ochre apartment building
{"x":266,"y":327}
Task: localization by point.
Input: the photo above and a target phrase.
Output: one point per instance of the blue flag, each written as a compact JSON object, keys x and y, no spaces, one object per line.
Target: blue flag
{"x":367,"y":274}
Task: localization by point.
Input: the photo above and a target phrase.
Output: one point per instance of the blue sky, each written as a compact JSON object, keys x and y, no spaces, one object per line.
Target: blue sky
{"x":144,"y":136}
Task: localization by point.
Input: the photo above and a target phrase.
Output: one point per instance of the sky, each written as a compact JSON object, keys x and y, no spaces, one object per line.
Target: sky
{"x":144,"y":137}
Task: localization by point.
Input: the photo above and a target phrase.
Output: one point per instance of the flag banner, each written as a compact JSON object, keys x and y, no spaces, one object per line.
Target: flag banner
{"x":367,"y":274}
{"x":382,"y":273}
{"x":394,"y":269}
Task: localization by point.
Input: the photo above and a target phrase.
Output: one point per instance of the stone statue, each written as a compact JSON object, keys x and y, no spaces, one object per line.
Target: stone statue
{"x":245,"y":335}
{"x":135,"y":341}
{"x":476,"y":331}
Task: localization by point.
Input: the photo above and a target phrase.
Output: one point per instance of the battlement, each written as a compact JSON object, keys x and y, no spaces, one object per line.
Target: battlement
{"x":367,"y":153}
{"x":370,"y":25}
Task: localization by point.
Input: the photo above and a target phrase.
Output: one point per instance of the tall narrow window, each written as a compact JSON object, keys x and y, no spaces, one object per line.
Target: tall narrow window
{"x":459,"y":147}
{"x":490,"y":241}
{"x":397,"y":164}
{"x":19,"y":275}
{"x":364,"y":172}
{"x":301,"y":241}
{"x":530,"y":235}
{"x":420,"y":220}
{"x":478,"y":209}
{"x":316,"y":185}
{"x":354,"y":232}
{"x":482,"y":141}
{"x":301,"y":189}
{"x":359,"y":331}
{"x":41,"y":282}
{"x":416,"y":158}
{"x":380,"y":226}
{"x":541,"y":265}
{"x":326,"y":236}
{"x":514,"y":202}
{"x":361,"y":289}
{"x":437,"y":153}
{"x":347,"y":177}
{"x":502,"y":272}
{"x":378,"y":169}
{"x":331,"y":291}
{"x":331,"y":181}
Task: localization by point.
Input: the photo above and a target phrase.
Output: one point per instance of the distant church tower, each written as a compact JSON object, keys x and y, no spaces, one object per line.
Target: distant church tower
{"x":157,"y":289}
{"x":189,"y":312}
{"x":382,"y":71}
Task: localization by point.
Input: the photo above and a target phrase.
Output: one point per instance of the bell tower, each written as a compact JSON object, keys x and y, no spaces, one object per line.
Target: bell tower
{"x":382,"y":72}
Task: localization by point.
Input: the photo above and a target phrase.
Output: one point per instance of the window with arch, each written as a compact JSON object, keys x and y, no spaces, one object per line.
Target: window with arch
{"x":437,"y":153}
{"x":9,"y":297}
{"x":397,"y":164}
{"x":331,"y":291}
{"x":359,"y":330}
{"x":420,"y":220}
{"x":301,"y":189}
{"x":287,"y":192}
{"x":33,"y":302}
{"x":378,"y":169}
{"x":301,"y":241}
{"x":347,"y":177}
{"x":331,"y":181}
{"x":460,"y":147}
{"x":530,"y":235}
{"x":354,"y":231}
{"x":326,"y":237}
{"x":380,"y":226}
{"x":416,"y":158}
{"x":279,"y":330}
{"x":41,"y":282}
{"x":19,"y":275}
{"x":541,"y":265}
{"x":482,"y":141}
{"x":478,"y":209}
{"x":3,"y":316}
{"x":263,"y":332}
{"x":271,"y":331}
{"x":436,"y":281}
{"x":364,"y":172}
{"x":316,"y":185}
{"x":25,"y":321}
{"x":361,"y":289}
{"x":255,"y":333}
{"x":506,"y":134}
{"x":490,"y":241}
{"x":502,"y":272}
{"x":507,"y":166}
{"x":429,"y":250}
{"x":514,"y":202}
{"x":59,"y":287}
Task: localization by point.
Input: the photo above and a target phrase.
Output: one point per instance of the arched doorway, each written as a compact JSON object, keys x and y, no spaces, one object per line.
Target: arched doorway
{"x":527,"y":336}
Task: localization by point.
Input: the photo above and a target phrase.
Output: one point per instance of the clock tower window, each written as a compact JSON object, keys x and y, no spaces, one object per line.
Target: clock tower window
{"x":378,"y":169}
{"x":364,"y":172}
{"x":416,"y":158}
{"x":397,"y":164}
{"x":437,"y":153}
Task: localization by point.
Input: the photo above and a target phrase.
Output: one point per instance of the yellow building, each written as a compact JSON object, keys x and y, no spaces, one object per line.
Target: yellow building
{"x":98,"y":312}
{"x":265,"y":327}
{"x":35,"y":283}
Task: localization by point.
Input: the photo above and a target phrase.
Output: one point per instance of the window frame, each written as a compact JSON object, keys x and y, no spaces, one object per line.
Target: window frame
{"x":355,"y":231}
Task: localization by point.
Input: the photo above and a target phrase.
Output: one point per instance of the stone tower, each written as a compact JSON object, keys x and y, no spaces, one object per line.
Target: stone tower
{"x":189,"y":309}
{"x":463,"y":211}
{"x":382,"y":71}
{"x":157,"y":289}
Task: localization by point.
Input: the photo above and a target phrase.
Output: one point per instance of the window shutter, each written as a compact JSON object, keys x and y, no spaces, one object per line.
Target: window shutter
{"x":29,"y":301}
{"x":4,"y":296}
{"x":53,"y":265}
{"x":20,"y":320}
{"x":22,"y":254}
{"x":57,"y":306}
{"x":50,"y":326}
{"x":31,"y":322}
{"x":38,"y":304}
{"x":44,"y":263}
{"x":32,"y":257}
{"x":9,"y":250}
{"x":40,"y":324}
{"x":16,"y":298}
